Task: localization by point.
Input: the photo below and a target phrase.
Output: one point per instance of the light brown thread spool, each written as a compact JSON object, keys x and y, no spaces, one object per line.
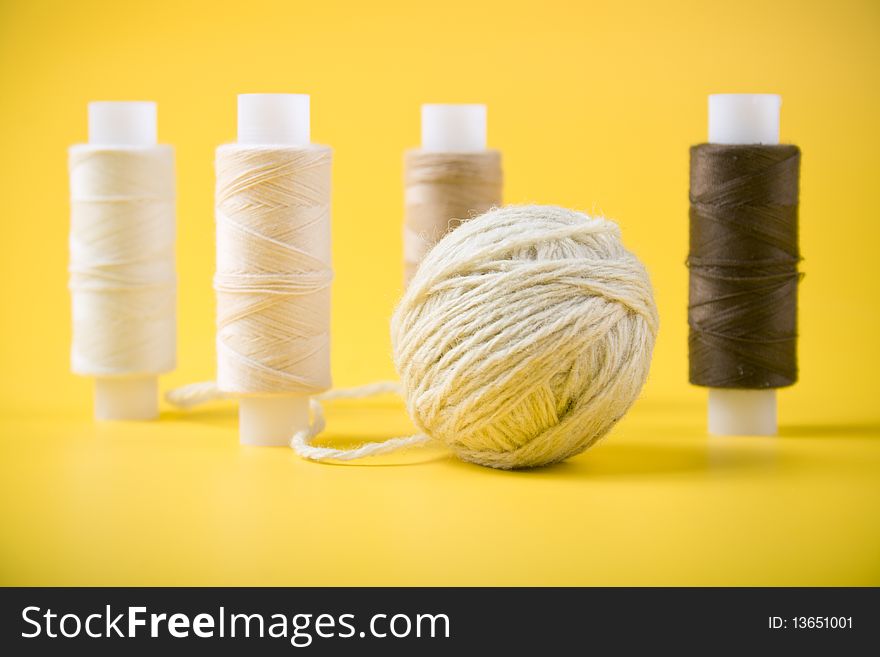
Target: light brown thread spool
{"x":443,"y":190}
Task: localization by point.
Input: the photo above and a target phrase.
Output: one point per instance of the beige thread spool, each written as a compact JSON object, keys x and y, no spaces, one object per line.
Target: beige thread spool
{"x":451,"y":178}
{"x":273,"y":267}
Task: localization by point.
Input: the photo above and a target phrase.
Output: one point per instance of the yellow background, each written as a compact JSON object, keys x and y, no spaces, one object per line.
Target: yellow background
{"x":594,"y":105}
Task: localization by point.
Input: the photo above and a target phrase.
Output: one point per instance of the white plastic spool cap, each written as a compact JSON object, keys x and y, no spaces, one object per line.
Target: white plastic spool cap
{"x":454,"y":128}
{"x":265,"y":120}
{"x":743,"y":119}
{"x":124,"y":124}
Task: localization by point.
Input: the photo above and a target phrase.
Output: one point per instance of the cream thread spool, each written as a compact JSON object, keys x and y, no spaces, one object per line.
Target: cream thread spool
{"x":451,"y":178}
{"x":743,"y":119}
{"x":122,"y":276}
{"x":273,"y":267}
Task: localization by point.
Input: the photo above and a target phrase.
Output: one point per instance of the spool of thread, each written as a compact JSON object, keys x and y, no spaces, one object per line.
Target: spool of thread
{"x":273,"y":267}
{"x":122,"y":276}
{"x":524,"y":336}
{"x":743,"y":264}
{"x":451,"y":178}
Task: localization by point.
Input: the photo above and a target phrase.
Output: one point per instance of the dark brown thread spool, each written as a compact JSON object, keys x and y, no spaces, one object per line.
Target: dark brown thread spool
{"x":743,"y":264}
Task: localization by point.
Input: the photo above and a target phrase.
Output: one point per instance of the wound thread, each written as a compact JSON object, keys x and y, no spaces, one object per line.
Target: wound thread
{"x":122,"y":276}
{"x":442,"y":190}
{"x":743,"y":263}
{"x":273,"y":269}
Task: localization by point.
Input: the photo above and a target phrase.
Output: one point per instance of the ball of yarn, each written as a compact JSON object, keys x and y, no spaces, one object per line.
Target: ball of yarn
{"x":524,"y":336}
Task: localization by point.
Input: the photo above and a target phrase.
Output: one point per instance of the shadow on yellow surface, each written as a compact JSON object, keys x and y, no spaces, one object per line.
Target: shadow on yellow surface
{"x":861,"y":431}
{"x":213,"y":415}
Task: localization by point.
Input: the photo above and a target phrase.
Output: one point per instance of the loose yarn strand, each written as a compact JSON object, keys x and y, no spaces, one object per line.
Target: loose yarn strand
{"x":301,"y":442}
{"x":203,"y":392}
{"x":363,"y":391}
{"x":195,"y":394}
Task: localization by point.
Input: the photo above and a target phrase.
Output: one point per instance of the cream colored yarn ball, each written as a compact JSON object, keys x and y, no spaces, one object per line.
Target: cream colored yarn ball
{"x":525,"y":335}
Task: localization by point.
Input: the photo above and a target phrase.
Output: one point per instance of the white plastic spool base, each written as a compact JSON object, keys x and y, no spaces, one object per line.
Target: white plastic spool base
{"x":124,"y":124}
{"x":735,"y":412}
{"x":273,"y":120}
{"x":454,"y":128}
{"x":743,"y":119}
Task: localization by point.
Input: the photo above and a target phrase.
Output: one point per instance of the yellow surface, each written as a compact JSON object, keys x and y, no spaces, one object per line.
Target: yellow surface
{"x":594,"y":106}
